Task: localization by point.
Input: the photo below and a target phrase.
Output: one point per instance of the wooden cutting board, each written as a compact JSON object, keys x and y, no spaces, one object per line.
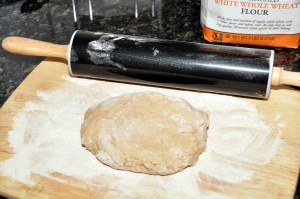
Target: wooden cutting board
{"x":277,"y":179}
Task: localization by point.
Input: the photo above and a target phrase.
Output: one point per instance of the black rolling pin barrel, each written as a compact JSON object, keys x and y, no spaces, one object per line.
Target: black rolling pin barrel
{"x":183,"y":65}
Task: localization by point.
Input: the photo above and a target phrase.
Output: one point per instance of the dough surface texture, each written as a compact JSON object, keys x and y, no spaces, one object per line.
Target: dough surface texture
{"x":145,"y":132}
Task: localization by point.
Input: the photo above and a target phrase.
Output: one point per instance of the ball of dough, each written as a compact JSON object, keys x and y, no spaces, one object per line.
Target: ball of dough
{"x":145,"y":132}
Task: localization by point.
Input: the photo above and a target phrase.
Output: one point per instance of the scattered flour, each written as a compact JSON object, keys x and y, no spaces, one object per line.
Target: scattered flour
{"x":100,"y":52}
{"x":155,"y":52}
{"x":46,"y":140}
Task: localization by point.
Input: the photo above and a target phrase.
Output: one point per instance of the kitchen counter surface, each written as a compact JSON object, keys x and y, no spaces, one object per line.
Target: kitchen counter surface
{"x":53,"y":21}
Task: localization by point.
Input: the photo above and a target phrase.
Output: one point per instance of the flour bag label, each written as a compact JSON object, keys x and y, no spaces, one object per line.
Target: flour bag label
{"x":252,"y":22}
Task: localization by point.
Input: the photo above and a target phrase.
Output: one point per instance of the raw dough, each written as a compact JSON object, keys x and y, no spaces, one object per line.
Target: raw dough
{"x":145,"y":132}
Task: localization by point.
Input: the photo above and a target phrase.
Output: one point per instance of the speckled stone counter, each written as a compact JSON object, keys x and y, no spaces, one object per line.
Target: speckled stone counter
{"x":53,"y":21}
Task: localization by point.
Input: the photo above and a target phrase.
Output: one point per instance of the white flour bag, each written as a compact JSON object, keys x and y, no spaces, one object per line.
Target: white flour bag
{"x":252,"y":22}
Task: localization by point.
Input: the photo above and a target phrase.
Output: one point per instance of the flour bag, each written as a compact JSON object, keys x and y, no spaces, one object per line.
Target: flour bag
{"x":273,"y":23}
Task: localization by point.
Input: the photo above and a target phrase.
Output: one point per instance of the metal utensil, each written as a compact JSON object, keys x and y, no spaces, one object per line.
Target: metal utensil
{"x":135,"y":4}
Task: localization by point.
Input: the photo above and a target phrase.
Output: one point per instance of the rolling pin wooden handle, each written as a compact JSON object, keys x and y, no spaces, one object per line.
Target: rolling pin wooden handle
{"x":281,"y":76}
{"x":24,"y":46}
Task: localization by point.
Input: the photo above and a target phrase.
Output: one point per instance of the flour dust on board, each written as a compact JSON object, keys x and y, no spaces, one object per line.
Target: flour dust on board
{"x":46,"y":139}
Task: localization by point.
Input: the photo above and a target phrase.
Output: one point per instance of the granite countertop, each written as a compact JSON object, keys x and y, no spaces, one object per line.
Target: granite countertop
{"x":53,"y":21}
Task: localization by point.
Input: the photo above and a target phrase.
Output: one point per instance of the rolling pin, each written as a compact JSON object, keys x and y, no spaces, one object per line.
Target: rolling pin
{"x":164,"y":63}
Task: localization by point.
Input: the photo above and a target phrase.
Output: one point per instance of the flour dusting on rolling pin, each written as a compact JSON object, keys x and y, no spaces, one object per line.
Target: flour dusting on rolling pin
{"x":173,"y":64}
{"x":46,"y":140}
